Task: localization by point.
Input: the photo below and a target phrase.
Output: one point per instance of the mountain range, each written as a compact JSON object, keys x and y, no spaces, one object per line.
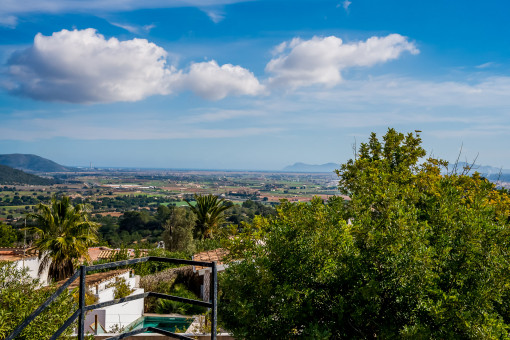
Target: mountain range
{"x":31,"y":163}
{"x":303,"y":167}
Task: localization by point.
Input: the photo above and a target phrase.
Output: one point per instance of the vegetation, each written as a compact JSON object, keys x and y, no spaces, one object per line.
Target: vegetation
{"x":209,"y":211}
{"x":20,"y":296}
{"x":178,"y":234}
{"x":7,"y":235}
{"x":64,"y":234}
{"x":416,"y":253}
{"x":122,"y":288}
{"x":11,"y":176}
{"x":169,"y":306}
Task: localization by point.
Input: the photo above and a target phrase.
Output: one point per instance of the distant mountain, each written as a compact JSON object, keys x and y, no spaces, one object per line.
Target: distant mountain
{"x":31,"y":163}
{"x":303,"y":167}
{"x":491,"y":173}
{"x":11,"y":176}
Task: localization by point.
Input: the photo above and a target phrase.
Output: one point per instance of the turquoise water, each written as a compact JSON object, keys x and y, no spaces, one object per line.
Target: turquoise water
{"x":170,"y":324}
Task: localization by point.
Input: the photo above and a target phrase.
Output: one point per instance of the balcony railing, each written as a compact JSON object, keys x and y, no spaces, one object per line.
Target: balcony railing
{"x":82,"y":309}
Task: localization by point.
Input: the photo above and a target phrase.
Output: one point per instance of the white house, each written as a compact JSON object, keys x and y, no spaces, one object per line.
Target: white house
{"x":25,"y":258}
{"x":115,"y":317}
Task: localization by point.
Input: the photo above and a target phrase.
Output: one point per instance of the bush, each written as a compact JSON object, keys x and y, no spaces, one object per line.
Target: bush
{"x":20,"y":296}
{"x":122,"y":289}
{"x":169,"y":306}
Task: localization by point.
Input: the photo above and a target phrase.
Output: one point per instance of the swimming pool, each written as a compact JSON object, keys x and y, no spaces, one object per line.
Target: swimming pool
{"x":170,"y":324}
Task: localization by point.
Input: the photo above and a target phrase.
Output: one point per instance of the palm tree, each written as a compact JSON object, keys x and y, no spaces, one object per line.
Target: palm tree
{"x":209,"y":210}
{"x":63,"y":235}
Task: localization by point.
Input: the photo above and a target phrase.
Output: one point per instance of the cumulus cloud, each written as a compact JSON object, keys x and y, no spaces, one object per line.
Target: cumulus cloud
{"x":211,"y":81}
{"x":81,"y":66}
{"x":320,"y":60}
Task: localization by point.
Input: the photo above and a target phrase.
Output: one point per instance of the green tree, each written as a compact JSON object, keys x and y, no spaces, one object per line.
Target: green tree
{"x":20,"y":296}
{"x":209,"y":211}
{"x":178,"y":234}
{"x":63,"y":235}
{"x":7,"y":235}
{"x":424,"y":255}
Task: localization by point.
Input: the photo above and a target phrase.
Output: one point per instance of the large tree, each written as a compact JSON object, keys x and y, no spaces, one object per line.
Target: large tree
{"x":63,"y":235}
{"x":417,"y":252}
{"x":178,"y":234}
{"x":209,"y":211}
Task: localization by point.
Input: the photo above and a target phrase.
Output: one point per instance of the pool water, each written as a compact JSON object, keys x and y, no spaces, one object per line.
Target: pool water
{"x":170,"y":324}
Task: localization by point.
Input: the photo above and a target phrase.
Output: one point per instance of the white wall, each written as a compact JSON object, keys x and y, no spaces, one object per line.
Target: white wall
{"x":32,"y":264}
{"x":120,"y":314}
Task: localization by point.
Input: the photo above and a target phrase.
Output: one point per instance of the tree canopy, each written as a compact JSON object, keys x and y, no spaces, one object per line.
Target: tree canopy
{"x":209,"y":211}
{"x":417,"y":252}
{"x":64,"y":234}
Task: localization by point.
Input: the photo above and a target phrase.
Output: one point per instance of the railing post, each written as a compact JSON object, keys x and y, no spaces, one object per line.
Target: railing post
{"x":81,"y":304}
{"x":214,"y":294}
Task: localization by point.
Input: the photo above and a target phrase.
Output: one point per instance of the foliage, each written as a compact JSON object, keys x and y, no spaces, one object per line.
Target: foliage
{"x":169,"y":306}
{"x":122,"y":289}
{"x":90,"y":298}
{"x":209,"y":211}
{"x":9,"y":175}
{"x":152,"y":267}
{"x":424,"y":255}
{"x":247,"y":212}
{"x":7,"y":235}
{"x":64,"y":235}
{"x":20,"y":296}
{"x":207,"y":244}
{"x":178,"y":234}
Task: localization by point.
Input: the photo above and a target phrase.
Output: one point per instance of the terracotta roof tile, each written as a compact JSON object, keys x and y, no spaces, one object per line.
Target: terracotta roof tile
{"x":210,"y":256}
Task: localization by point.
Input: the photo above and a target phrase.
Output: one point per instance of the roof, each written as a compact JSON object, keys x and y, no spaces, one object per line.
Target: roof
{"x":104,"y":253}
{"x":95,"y":279}
{"x":15,"y":254}
{"x":210,"y":256}
{"x":95,"y":251}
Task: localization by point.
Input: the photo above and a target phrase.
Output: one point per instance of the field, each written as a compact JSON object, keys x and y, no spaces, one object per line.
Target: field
{"x":111,"y":192}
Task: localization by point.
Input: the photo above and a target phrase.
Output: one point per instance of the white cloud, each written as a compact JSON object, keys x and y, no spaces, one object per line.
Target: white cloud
{"x":10,"y":9}
{"x":84,"y":67}
{"x":9,"y":21}
{"x":211,"y":81}
{"x":321,"y":59}
{"x":215,"y":14}
{"x":133,"y":28}
{"x":346,"y":4}
{"x":487,"y":65}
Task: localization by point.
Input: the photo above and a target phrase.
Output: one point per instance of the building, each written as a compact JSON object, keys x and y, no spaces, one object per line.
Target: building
{"x":27,"y":258}
{"x":102,"y":286}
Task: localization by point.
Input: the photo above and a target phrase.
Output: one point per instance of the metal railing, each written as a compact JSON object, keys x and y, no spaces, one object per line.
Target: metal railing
{"x":82,"y":309}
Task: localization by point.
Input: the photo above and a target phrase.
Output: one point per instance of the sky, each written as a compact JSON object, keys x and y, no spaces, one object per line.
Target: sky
{"x":251,"y":85}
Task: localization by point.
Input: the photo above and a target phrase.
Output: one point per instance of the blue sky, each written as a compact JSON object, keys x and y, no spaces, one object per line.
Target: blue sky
{"x":226,"y":84}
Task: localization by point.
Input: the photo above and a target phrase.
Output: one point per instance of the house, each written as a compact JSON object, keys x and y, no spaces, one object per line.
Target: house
{"x":27,"y":258}
{"x":102,"y":286}
{"x":205,"y":272}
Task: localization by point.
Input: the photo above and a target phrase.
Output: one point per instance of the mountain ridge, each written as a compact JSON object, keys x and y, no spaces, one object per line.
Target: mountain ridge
{"x":304,"y":167}
{"x":31,"y":163}
{"x":11,"y":176}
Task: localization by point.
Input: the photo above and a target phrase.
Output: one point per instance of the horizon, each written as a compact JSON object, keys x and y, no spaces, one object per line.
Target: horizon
{"x":256,"y":85}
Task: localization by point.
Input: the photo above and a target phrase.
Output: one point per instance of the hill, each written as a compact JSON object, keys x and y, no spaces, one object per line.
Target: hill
{"x":31,"y":163}
{"x":303,"y":167}
{"x":491,"y":173}
{"x":11,"y":176}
